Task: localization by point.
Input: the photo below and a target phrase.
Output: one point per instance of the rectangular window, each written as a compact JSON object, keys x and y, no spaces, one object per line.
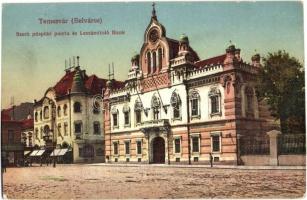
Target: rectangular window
{"x":126,"y":115}
{"x":96,"y":128}
{"x":115,"y":147}
{"x":78,"y":127}
{"x":156,"y":113}
{"x":214,"y":104}
{"x":194,"y":106}
{"x":138,"y":116}
{"x":42,"y":132}
{"x":65,"y":129}
{"x":216,"y":143}
{"x":127,"y":147}
{"x":115,"y":120}
{"x":139,"y":147}
{"x":177,"y":145}
{"x":59,"y":129}
{"x":195,"y":144}
{"x":11,"y":136}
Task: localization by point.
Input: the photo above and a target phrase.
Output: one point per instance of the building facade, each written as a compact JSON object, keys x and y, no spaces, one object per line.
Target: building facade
{"x":67,"y":116}
{"x":11,"y":146}
{"x":176,"y":108}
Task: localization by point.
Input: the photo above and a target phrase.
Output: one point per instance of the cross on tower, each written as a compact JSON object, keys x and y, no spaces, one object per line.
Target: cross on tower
{"x":154,"y":10}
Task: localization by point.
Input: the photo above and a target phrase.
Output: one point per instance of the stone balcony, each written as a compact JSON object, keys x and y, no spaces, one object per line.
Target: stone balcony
{"x":155,"y":125}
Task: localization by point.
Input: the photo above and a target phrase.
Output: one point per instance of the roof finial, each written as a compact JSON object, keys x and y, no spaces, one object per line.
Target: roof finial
{"x":78,"y":61}
{"x":153,"y":11}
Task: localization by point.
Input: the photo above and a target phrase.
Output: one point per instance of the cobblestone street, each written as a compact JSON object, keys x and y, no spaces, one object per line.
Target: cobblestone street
{"x":90,"y":181}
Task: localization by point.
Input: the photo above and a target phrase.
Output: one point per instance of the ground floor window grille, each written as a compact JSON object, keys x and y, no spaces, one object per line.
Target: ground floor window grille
{"x":127,"y":147}
{"x":115,"y":147}
{"x":215,"y":143}
{"x":195,"y":144}
{"x":177,"y":145}
{"x":139,"y":147}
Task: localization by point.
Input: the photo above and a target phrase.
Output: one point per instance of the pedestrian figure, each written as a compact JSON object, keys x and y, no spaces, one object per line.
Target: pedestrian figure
{"x":3,"y":165}
{"x":211,"y":159}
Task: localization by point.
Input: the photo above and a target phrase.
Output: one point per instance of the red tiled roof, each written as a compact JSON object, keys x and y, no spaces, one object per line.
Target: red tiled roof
{"x":65,"y":83}
{"x":174,"y":45}
{"x":27,"y":123}
{"x":214,"y":60}
{"x":92,"y":83}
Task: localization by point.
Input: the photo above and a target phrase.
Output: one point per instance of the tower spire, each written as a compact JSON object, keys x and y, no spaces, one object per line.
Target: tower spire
{"x":154,"y":16}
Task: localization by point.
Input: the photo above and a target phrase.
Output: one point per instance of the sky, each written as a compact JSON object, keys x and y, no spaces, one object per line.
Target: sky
{"x":30,"y":65}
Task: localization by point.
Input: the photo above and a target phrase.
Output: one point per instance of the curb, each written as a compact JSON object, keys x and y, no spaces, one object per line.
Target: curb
{"x":205,"y":166}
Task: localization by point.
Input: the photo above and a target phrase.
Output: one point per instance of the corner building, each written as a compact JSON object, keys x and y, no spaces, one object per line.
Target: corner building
{"x":66,"y":117}
{"x":176,"y":108}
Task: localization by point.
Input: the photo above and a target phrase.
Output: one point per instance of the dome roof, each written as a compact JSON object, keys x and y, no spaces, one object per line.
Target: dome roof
{"x":184,"y":38}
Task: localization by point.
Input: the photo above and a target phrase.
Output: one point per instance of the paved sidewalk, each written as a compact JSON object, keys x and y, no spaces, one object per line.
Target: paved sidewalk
{"x":203,"y":166}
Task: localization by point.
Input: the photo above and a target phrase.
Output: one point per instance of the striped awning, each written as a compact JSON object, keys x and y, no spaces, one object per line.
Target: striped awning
{"x":55,"y":152}
{"x":40,"y":152}
{"x":62,"y":152}
{"x":34,"y":153}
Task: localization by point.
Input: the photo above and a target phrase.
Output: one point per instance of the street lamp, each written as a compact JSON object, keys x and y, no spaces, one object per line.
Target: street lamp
{"x":53,"y":124}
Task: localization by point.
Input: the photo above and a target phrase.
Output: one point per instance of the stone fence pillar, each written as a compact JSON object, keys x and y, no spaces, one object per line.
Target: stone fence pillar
{"x":273,"y":146}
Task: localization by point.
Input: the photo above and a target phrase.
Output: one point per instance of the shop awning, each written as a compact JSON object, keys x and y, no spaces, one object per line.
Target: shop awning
{"x":34,"y":153}
{"x":55,"y":152}
{"x":62,"y":152}
{"x":40,"y":152}
{"x":26,"y":153}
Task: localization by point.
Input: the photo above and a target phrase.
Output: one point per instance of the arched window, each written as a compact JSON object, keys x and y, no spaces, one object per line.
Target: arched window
{"x":114,"y":113}
{"x":138,"y":111}
{"x":215,"y":101}
{"x":176,"y":105}
{"x":46,"y":112}
{"x":195,"y":103}
{"x":59,"y":129}
{"x":59,"y":111}
{"x":36,"y":116}
{"x":77,"y":107}
{"x":249,"y":100}
{"x":160,"y":59}
{"x":41,"y":115}
{"x":126,"y":111}
{"x":148,"y":62}
{"x":156,"y":105}
{"x":65,"y":109}
{"x":96,"y":107}
{"x":154,"y":62}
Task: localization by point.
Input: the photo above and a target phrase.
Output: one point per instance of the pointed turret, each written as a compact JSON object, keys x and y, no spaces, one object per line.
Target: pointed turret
{"x":77,"y":84}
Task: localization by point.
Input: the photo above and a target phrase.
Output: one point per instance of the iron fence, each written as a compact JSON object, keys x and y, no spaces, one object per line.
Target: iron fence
{"x":291,"y":144}
{"x":252,"y":145}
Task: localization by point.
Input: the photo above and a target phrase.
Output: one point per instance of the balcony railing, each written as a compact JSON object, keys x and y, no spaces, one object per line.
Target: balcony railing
{"x":155,"y":124}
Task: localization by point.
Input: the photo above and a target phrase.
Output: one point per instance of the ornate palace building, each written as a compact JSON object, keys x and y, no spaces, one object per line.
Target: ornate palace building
{"x":65,"y":118}
{"x":175,"y":107}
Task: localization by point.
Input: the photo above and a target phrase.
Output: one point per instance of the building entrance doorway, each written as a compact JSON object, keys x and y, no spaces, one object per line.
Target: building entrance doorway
{"x":158,"y":146}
